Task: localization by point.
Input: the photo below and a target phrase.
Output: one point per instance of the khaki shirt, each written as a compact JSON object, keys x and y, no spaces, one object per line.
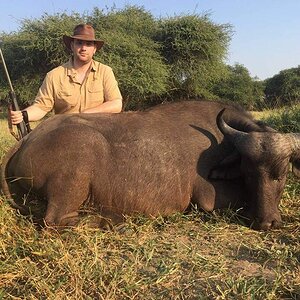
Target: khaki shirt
{"x":63,"y":93}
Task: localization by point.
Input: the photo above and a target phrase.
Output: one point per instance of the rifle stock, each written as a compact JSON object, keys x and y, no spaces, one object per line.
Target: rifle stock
{"x":22,"y":128}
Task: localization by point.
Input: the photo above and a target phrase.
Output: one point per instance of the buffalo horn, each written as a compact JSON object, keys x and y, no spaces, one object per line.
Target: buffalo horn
{"x":243,"y":141}
{"x":239,"y":138}
{"x":288,"y":143}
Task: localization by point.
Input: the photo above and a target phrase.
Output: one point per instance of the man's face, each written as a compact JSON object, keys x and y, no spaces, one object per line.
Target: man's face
{"x":83,"y":51}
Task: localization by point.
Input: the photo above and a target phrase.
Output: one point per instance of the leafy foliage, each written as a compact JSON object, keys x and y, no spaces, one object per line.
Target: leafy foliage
{"x":283,"y":88}
{"x":287,"y":120}
{"x":239,"y":87}
{"x":154,"y":60}
{"x":194,"y":49}
{"x":35,"y":50}
{"x":132,"y":53}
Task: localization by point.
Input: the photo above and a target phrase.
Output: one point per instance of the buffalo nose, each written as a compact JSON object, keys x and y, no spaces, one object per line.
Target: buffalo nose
{"x":267,"y":225}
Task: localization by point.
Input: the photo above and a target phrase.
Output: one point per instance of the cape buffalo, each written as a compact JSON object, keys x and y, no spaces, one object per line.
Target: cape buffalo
{"x":153,"y":162}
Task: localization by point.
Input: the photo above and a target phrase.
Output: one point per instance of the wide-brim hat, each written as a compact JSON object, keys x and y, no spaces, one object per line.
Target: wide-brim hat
{"x":84,"y":32}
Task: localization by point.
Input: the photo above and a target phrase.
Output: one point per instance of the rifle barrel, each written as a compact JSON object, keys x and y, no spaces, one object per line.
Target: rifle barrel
{"x":21,"y":126}
{"x":6,"y":71}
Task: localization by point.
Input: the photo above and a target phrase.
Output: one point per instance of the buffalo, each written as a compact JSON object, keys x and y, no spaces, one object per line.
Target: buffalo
{"x":159,"y":161}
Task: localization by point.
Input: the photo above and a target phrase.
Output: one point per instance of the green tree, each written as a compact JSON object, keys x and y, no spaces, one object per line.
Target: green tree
{"x":283,"y":88}
{"x":194,"y":48}
{"x":130,"y":49}
{"x":239,"y":87}
{"x":153,"y":59}
{"x":34,"y":50}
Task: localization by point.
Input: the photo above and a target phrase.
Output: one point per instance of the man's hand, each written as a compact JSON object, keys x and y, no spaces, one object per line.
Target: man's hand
{"x":33,"y":113}
{"x":16,"y":117}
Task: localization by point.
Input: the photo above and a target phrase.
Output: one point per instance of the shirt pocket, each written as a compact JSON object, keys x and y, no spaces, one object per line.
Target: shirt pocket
{"x":95,"y":95}
{"x":65,"y":101}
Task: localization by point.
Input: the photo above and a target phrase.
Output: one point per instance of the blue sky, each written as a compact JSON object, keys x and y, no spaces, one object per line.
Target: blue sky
{"x":266,"y":35}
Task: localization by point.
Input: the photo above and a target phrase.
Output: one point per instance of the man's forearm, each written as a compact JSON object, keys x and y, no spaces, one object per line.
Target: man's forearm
{"x":114,"y":106}
{"x":35,"y":113}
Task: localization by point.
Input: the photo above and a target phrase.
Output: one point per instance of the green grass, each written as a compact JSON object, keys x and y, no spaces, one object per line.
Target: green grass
{"x":286,"y":119}
{"x":192,"y":256}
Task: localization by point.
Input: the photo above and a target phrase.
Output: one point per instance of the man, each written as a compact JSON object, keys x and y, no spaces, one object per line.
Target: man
{"x":80,"y":85}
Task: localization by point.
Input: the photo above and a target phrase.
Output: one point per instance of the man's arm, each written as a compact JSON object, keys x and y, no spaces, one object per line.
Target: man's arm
{"x":113,"y":106}
{"x":34,"y":114}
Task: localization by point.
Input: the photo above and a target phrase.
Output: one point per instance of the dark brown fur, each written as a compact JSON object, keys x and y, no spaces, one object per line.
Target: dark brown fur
{"x":155,"y":162}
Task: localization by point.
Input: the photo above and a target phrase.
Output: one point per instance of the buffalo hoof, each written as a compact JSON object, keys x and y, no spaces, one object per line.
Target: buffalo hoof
{"x":73,"y":219}
{"x":67,"y":220}
{"x":264,"y":226}
{"x":270,"y":222}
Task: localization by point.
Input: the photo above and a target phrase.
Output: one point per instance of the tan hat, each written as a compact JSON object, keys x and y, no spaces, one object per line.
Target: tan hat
{"x":84,"y":32}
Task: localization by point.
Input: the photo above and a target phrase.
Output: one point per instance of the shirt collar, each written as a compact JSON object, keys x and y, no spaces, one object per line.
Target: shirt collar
{"x":72,"y":72}
{"x":93,"y":66}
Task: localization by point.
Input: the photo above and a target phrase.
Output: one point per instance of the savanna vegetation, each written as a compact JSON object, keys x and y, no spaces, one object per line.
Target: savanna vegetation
{"x":191,"y":256}
{"x":154,"y":59}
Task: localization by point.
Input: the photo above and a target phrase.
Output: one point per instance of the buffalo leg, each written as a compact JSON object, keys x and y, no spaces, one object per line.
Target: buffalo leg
{"x":203,"y":195}
{"x":64,"y":202}
{"x":218,"y":194}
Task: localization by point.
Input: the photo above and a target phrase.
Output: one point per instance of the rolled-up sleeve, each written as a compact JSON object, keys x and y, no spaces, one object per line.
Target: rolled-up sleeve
{"x":45,"y":96}
{"x":110,"y":85}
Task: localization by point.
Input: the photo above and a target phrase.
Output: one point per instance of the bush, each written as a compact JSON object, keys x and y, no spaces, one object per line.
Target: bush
{"x":194,"y":49}
{"x":283,"y":88}
{"x":153,"y":59}
{"x":239,"y":87}
{"x":132,"y":53}
{"x":286,"y":121}
{"x":35,"y":50}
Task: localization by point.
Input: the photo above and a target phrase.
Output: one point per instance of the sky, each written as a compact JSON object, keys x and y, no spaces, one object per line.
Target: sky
{"x":266,"y":33}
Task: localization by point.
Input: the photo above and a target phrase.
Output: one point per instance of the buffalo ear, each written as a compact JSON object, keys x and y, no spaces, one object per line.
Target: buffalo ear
{"x":296,"y":167}
{"x":228,"y":168}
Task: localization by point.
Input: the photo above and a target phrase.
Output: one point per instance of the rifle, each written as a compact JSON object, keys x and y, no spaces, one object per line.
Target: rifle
{"x":23,"y":128}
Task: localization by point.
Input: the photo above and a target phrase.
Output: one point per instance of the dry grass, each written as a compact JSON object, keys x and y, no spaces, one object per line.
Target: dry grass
{"x":193,"y":256}
{"x":265,"y":114}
